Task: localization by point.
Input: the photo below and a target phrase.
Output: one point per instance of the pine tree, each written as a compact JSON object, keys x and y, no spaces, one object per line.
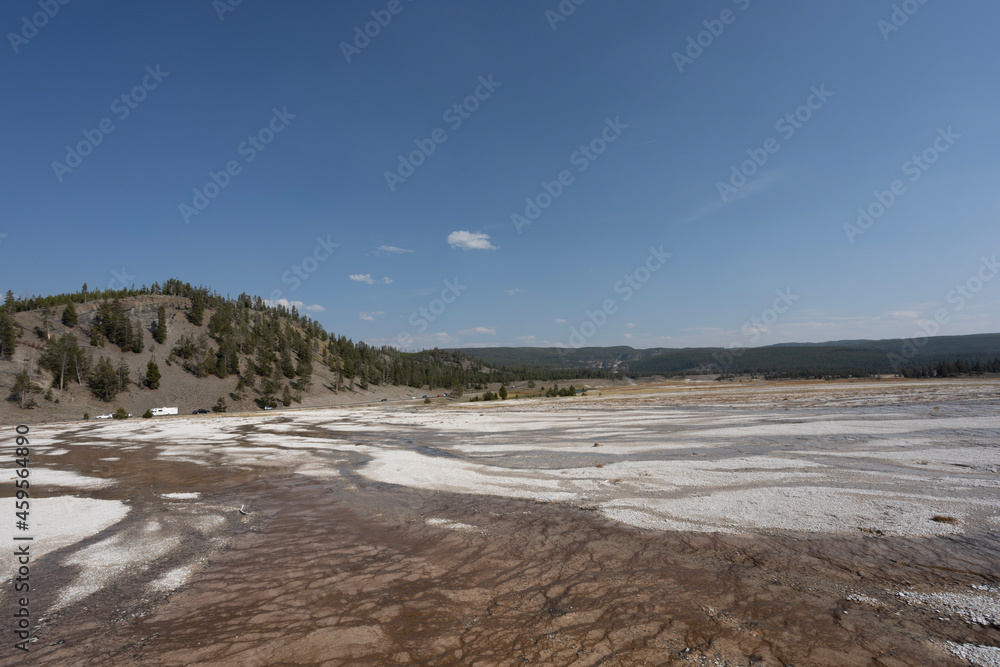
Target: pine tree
{"x":69,"y":316}
{"x":249,"y":375}
{"x":47,"y":322}
{"x":153,"y":375}
{"x":104,"y":381}
{"x":160,"y":335}
{"x":123,"y":376}
{"x":197,"y":312}
{"x":503,"y":393}
{"x":137,"y":342}
{"x":23,"y":388}
{"x":287,"y":367}
{"x":61,"y":357}
{"x":8,"y":333}
{"x":304,"y":370}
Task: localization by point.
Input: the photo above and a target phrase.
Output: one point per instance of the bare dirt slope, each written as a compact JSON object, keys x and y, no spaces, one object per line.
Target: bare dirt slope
{"x":178,"y":388}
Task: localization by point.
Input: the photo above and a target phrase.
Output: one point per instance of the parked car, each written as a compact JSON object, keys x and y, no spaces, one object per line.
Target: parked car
{"x":268,"y":407}
{"x":384,"y":400}
{"x":425,"y":395}
{"x":106,"y":415}
{"x":200,"y":411}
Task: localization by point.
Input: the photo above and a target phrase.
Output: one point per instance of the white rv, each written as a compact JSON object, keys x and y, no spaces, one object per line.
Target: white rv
{"x":159,"y":412}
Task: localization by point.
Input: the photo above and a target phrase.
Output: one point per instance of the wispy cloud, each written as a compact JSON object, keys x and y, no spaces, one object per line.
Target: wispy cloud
{"x":512,"y":292}
{"x":560,"y":320}
{"x":367,"y":278}
{"x":765,"y":181}
{"x":526,"y":339}
{"x":418,"y":341}
{"x":478,"y":330}
{"x":371,"y":316}
{"x":470,"y":241}
{"x":315,"y":308}
{"x":391,"y":249}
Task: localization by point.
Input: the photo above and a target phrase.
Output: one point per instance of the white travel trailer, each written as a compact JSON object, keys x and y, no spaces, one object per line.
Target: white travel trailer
{"x":159,"y":412}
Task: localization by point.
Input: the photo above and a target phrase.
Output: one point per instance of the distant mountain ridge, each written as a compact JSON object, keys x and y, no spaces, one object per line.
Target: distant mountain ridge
{"x":834,"y":357}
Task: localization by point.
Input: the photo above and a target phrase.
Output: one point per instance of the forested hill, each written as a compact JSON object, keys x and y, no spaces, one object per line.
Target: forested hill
{"x":176,"y":343}
{"x":925,"y":357}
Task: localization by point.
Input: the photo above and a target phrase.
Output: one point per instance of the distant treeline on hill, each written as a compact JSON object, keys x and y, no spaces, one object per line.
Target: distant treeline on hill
{"x":272,"y":350}
{"x":929,"y":357}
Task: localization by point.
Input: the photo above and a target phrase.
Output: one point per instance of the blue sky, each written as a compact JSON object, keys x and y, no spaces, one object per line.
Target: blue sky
{"x":612,"y":99}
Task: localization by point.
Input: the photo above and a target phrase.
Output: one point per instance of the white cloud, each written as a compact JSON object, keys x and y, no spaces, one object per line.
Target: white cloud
{"x":315,"y":308}
{"x":626,"y":336}
{"x":393,"y":249}
{"x":526,"y":339}
{"x":283,"y":302}
{"x":512,"y":292}
{"x":478,"y":330}
{"x":629,"y":325}
{"x":370,"y":316}
{"x":367,"y":278}
{"x":560,"y":320}
{"x":470,"y":241}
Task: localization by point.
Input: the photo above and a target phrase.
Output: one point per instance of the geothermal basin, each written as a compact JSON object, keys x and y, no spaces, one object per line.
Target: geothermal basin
{"x":698,"y":523}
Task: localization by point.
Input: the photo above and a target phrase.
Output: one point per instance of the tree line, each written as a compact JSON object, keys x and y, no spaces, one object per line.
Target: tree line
{"x":271,"y":350}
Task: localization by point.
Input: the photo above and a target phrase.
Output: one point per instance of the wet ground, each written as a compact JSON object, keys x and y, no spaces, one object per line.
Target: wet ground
{"x":325,"y":564}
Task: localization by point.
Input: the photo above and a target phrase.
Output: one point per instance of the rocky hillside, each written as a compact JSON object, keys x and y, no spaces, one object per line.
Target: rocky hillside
{"x":207,"y":352}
